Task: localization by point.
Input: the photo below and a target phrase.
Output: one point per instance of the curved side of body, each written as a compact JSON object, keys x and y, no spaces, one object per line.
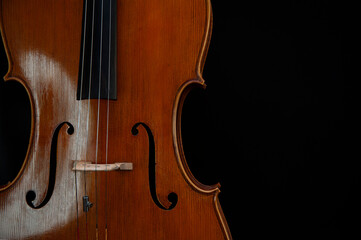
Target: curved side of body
{"x":161,"y":49}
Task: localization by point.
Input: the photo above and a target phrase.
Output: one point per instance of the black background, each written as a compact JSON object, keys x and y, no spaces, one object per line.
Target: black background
{"x":277,"y":125}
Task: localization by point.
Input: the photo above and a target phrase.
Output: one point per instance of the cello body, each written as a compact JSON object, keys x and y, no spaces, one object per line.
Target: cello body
{"x":160,"y":50}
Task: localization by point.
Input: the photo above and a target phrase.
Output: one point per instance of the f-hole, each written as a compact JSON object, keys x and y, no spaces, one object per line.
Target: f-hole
{"x":172,"y":197}
{"x":31,"y":195}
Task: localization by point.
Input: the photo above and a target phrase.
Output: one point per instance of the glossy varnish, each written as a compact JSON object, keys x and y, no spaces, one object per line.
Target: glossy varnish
{"x":161,"y":48}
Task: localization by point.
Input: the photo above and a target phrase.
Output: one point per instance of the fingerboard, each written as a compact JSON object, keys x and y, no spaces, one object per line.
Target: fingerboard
{"x":97,"y":66}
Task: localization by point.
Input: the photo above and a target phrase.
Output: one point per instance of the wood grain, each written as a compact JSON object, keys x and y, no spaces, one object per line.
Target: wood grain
{"x":161,"y":50}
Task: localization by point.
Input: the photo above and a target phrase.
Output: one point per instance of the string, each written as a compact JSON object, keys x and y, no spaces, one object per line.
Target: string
{"x":87,"y":123}
{"x":88,"y":113}
{"x":107,"y":134}
{"x":97,"y":138}
{"x":79,"y":111}
{"x":90,"y":83}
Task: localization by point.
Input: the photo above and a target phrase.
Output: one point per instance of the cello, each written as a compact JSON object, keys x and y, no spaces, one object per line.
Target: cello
{"x":106,"y":81}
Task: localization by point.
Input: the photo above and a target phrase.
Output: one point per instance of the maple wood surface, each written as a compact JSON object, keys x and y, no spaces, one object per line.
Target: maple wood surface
{"x":161,"y":48}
